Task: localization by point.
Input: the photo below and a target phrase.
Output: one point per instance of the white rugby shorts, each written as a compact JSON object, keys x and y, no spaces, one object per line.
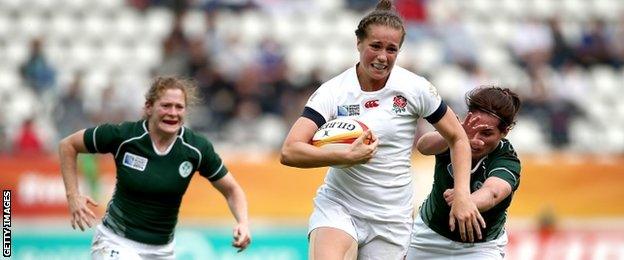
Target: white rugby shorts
{"x":107,"y":245}
{"x":427,"y":244}
{"x":375,"y":239}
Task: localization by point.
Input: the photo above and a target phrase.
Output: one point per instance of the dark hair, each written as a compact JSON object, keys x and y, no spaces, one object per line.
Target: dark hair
{"x":384,"y":14}
{"x":502,"y":103}
{"x":161,"y":84}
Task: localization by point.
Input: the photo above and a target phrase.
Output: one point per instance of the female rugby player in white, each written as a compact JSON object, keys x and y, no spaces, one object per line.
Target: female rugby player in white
{"x":365,"y":211}
{"x":155,"y":159}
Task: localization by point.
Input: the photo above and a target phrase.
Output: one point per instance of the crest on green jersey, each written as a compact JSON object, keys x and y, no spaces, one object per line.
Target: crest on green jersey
{"x":185,"y":169}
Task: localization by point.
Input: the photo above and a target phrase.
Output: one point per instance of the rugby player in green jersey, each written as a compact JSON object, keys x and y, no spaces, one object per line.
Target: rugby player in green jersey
{"x":495,"y":175}
{"x":155,"y":159}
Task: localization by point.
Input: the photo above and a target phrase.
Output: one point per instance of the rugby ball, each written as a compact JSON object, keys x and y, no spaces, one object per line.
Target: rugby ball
{"x":339,"y":133}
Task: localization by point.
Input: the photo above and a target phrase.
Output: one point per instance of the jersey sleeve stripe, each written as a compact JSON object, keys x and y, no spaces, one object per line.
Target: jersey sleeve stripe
{"x":313,"y":115}
{"x":192,"y":148}
{"x":503,"y":169}
{"x":94,"y":142}
{"x":438,"y":114}
{"x":122,"y":143}
{"x":217,"y":171}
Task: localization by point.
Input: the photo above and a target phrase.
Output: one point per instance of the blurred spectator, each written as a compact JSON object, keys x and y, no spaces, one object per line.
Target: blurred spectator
{"x":5,"y":144}
{"x":141,"y":5}
{"x":294,"y":99}
{"x":27,"y":142}
{"x":198,"y":57}
{"x":69,"y":113}
{"x":175,"y":51}
{"x":176,"y":6}
{"x":415,"y":17}
{"x":113,"y":108}
{"x":532,"y":43}
{"x":274,"y":92}
{"x":286,"y":7}
{"x":251,"y":128}
{"x":413,"y":11}
{"x":594,"y":48}
{"x":233,"y":5}
{"x":476,"y":76}
{"x":234,"y":57}
{"x":535,"y":97}
{"x":570,"y":88}
{"x":213,"y":41}
{"x":459,"y":45}
{"x":571,"y":84}
{"x":248,"y":86}
{"x":219,"y":98}
{"x":616,"y":42}
{"x":361,"y":5}
{"x":553,"y":101}
{"x":562,"y":52}
{"x":546,"y":232}
{"x":273,"y":76}
{"x":39,"y":74}
{"x":241,"y":130}
{"x":270,"y":59}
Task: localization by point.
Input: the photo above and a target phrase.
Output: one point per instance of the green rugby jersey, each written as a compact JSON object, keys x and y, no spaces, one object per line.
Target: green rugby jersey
{"x":150,"y":185}
{"x":502,"y":163}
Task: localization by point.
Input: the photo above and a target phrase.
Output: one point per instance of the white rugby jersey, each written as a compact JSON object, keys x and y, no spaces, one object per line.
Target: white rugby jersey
{"x":382,"y":188}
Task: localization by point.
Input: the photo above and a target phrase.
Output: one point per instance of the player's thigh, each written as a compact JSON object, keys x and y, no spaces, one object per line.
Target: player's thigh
{"x":331,"y":243}
{"x":331,"y":230}
{"x":329,"y":213}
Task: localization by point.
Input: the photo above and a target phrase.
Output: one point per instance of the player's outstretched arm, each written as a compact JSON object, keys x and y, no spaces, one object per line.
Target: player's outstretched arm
{"x":298,"y":152}
{"x":464,"y":213}
{"x":69,"y":148}
{"x":493,"y":191}
{"x":235,"y":197}
{"x":431,"y":143}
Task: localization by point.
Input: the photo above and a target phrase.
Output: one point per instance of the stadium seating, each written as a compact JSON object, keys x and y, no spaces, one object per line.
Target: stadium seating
{"x":104,"y":38}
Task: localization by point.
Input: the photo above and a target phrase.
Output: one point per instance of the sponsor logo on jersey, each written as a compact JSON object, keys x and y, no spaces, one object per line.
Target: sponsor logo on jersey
{"x":134,"y":161}
{"x":371,"y":103}
{"x":185,"y":169}
{"x":399,"y":104}
{"x":349,"y":110}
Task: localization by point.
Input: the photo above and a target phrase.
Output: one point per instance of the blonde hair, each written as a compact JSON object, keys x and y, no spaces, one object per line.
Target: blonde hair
{"x":384,"y":14}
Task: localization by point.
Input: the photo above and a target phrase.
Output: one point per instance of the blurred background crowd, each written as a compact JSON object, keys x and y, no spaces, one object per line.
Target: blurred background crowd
{"x":71,"y":64}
